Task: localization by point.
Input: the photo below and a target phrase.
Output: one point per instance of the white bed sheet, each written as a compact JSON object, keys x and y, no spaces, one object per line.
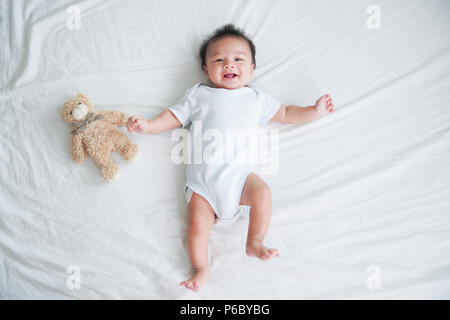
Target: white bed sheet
{"x":361,"y":199}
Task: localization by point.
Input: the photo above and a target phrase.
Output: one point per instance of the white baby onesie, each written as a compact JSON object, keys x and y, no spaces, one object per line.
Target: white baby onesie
{"x":216,"y":170}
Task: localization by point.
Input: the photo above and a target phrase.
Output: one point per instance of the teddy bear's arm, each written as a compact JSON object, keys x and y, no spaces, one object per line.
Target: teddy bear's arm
{"x":78,"y":151}
{"x":116,"y":117}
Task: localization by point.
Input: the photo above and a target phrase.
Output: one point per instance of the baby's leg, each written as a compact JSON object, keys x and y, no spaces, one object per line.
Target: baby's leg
{"x":257,"y":194}
{"x":201,"y":219}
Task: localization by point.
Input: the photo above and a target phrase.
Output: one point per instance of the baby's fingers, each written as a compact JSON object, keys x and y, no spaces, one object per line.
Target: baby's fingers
{"x":130,"y":127}
{"x":329,"y":103}
{"x":138,"y":124}
{"x":131,"y":123}
{"x":321,"y":100}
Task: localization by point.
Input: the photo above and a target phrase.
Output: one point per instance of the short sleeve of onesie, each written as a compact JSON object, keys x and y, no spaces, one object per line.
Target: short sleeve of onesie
{"x":269,"y":106}
{"x":182,"y":108}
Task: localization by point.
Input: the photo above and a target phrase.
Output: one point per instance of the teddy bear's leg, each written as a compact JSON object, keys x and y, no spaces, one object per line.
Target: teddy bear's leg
{"x":107,"y":166}
{"x":125,"y":147}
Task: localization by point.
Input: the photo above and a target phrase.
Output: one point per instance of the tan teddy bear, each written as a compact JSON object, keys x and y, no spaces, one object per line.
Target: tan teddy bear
{"x":97,"y":134}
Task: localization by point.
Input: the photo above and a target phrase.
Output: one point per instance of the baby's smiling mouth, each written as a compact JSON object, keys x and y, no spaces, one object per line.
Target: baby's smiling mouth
{"x":230,"y":75}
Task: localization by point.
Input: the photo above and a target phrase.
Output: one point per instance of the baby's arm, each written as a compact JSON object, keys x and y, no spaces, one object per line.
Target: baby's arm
{"x":166,"y":120}
{"x":293,"y":114}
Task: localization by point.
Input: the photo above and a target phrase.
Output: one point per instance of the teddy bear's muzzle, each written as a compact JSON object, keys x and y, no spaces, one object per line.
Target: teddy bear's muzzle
{"x":79,"y":111}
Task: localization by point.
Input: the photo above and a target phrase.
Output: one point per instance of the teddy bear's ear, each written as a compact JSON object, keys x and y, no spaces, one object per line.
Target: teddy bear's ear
{"x":82,"y":96}
{"x":66,"y":113}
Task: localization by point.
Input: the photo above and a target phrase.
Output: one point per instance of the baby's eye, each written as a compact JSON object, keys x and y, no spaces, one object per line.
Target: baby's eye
{"x":239,"y":59}
{"x":219,"y":60}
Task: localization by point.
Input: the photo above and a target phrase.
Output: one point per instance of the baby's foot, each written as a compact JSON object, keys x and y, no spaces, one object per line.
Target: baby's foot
{"x":197,"y":280}
{"x":255,"y":248}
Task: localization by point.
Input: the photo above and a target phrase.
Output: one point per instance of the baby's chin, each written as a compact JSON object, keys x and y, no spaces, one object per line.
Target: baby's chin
{"x":230,"y":86}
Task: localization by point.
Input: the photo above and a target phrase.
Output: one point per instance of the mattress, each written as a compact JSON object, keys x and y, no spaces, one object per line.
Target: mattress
{"x":361,"y":198}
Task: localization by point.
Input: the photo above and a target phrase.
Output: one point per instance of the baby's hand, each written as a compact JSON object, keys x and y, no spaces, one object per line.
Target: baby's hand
{"x":324,"y":105}
{"x":137,"y":124}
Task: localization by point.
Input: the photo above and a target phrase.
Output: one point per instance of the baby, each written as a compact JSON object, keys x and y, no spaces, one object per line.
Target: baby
{"x":220,"y":192}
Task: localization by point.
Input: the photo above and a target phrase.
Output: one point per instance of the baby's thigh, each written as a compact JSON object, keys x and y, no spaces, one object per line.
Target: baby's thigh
{"x":255,"y":189}
{"x":200,"y":211}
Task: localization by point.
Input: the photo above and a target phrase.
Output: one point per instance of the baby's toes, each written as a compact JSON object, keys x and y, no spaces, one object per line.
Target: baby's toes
{"x":266,"y":256}
{"x":195,"y":285}
{"x":192,"y":285}
{"x":270,"y":253}
{"x":274,"y":253}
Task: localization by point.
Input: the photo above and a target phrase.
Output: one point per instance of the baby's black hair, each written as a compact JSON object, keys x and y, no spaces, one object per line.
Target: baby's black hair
{"x":226,"y":30}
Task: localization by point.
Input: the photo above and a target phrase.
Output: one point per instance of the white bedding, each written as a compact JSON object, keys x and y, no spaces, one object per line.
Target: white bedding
{"x":361,"y":199}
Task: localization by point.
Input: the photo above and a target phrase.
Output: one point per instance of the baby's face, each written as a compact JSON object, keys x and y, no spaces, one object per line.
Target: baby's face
{"x":229,"y":63}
